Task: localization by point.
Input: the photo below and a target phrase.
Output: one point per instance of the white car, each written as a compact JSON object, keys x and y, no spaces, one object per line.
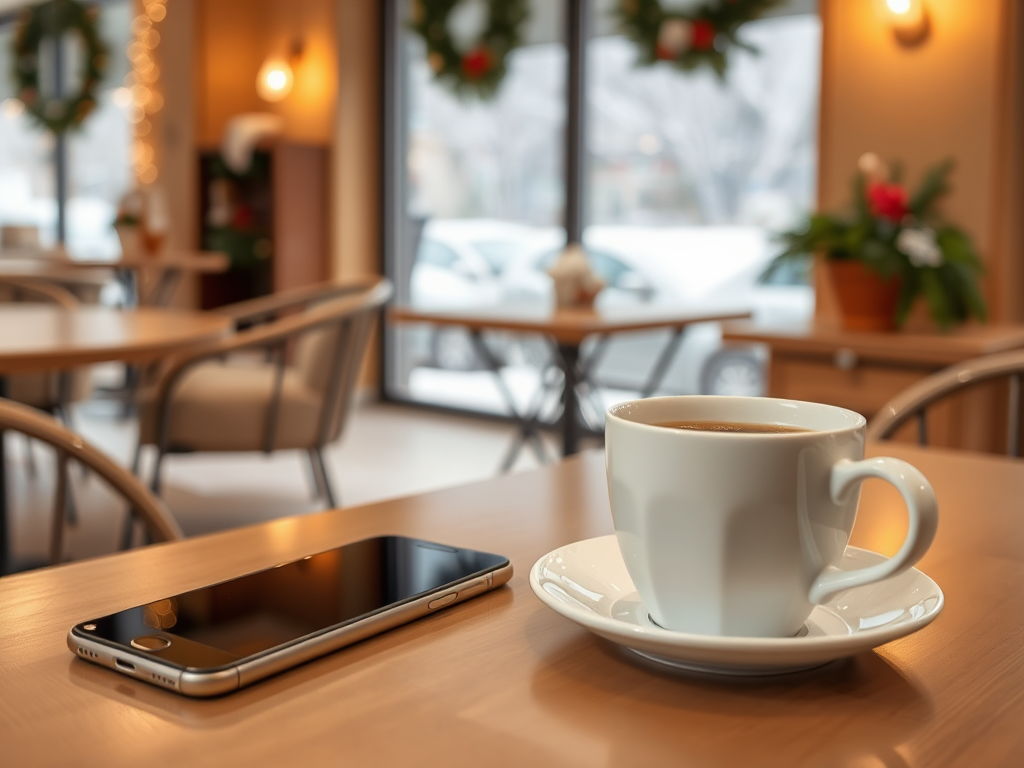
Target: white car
{"x":458,"y":265}
{"x":462,"y":264}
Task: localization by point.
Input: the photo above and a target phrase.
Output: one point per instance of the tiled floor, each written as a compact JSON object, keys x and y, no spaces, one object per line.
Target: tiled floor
{"x":387,"y":451}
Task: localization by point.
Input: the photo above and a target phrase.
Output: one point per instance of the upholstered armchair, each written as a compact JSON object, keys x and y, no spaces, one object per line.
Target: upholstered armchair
{"x":285,"y":380}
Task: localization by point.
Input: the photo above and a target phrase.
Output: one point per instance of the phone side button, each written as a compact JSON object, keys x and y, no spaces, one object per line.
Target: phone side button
{"x":474,"y":590}
{"x":442,"y":601}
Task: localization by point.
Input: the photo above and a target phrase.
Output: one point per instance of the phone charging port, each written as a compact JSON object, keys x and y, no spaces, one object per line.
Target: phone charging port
{"x":127,"y":666}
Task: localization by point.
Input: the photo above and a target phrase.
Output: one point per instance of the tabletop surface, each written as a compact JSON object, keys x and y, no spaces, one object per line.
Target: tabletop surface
{"x":569,"y":326}
{"x":48,"y":262}
{"x":929,"y":348}
{"x":503,"y":680}
{"x":43,"y":336}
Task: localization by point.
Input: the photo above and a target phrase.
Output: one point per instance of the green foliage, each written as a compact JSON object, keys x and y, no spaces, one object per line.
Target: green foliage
{"x":641,"y":20}
{"x":949,"y":287}
{"x":52,"y":20}
{"x":459,"y":71}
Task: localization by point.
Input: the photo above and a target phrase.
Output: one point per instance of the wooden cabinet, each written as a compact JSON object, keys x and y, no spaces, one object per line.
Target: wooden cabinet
{"x":272,"y":221}
{"x":863,"y":371}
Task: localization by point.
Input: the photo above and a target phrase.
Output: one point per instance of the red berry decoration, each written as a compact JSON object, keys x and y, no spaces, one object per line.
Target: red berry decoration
{"x":703,"y":35}
{"x":477,"y":63}
{"x":712,"y":31}
{"x":470,"y":69}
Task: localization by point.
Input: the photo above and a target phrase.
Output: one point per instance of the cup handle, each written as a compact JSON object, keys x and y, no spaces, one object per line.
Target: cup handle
{"x":922,"y":509}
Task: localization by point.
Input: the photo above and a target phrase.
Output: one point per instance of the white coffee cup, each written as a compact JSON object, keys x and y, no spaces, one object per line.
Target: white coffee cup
{"x":727,"y":533}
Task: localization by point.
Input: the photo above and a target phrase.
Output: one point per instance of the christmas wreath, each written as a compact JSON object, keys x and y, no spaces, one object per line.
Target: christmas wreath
{"x":691,"y":39}
{"x":480,"y":69}
{"x":53,"y":20}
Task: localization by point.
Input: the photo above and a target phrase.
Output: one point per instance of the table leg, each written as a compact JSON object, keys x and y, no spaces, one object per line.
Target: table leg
{"x":527,"y":424}
{"x":5,"y":555}
{"x":663,"y":362}
{"x":164,"y":290}
{"x":569,"y":355}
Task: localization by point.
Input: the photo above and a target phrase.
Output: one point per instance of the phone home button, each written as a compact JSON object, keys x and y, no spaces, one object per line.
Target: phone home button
{"x":150,"y":643}
{"x":442,"y":601}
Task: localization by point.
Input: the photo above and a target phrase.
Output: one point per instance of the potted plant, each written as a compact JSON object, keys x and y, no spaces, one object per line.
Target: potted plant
{"x":894,"y":249}
{"x":128,"y":223}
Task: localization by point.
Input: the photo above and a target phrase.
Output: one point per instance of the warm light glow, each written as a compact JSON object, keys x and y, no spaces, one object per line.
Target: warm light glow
{"x":11,"y":108}
{"x":274,"y":81}
{"x":908,"y":19}
{"x":141,"y":89}
{"x":123,"y":97}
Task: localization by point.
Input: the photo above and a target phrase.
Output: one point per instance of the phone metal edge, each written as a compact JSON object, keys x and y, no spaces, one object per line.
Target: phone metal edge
{"x":278,"y":661}
{"x":241,"y":674}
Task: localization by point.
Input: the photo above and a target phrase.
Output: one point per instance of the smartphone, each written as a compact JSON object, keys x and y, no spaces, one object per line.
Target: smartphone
{"x":223,"y":637}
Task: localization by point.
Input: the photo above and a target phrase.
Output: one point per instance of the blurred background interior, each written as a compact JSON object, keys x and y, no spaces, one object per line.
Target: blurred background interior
{"x":262,"y":147}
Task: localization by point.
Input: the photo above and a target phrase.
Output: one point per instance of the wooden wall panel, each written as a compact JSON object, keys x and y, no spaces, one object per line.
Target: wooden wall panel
{"x":301,"y":179}
{"x":947,"y":97}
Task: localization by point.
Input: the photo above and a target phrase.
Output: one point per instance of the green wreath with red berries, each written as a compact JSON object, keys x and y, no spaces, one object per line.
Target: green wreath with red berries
{"x":53,"y":20}
{"x":701,"y":37}
{"x":479,"y":70}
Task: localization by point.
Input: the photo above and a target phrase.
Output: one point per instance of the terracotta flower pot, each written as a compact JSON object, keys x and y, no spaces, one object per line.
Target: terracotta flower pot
{"x":866,"y":301}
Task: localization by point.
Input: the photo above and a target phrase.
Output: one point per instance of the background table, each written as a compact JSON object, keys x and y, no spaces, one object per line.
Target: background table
{"x":863,"y":371}
{"x":45,"y":337}
{"x":568,"y":328}
{"x":503,"y":680}
{"x":164,"y":271}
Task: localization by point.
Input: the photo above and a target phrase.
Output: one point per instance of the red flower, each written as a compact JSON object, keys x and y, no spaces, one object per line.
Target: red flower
{"x":703,"y":35}
{"x":243,"y":217}
{"x":477,"y":63}
{"x":889,"y":201}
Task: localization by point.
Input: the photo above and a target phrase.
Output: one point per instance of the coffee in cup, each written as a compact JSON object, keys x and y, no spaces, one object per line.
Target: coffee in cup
{"x":733,"y":513}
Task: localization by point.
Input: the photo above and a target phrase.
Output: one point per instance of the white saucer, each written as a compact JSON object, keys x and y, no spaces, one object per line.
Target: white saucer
{"x":587,"y":582}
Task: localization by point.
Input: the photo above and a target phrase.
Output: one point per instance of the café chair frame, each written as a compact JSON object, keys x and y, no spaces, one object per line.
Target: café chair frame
{"x":914,"y":401}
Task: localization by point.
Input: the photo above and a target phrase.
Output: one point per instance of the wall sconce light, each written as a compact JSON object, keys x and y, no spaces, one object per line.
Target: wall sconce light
{"x":909,"y":20}
{"x":276,"y":76}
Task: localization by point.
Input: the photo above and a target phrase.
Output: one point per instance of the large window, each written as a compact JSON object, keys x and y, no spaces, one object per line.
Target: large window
{"x":96,"y":157}
{"x":686,"y":178}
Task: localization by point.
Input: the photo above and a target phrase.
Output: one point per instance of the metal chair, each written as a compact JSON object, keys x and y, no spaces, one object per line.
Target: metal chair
{"x":914,"y":401}
{"x":69,"y":445}
{"x":295,"y":395}
{"x":53,"y":391}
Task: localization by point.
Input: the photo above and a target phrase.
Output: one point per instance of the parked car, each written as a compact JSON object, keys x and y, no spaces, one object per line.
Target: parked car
{"x":699,"y":267}
{"x":458,"y":265}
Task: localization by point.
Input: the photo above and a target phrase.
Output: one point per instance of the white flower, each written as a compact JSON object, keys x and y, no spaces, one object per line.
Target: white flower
{"x":872,"y":166}
{"x":920,"y":247}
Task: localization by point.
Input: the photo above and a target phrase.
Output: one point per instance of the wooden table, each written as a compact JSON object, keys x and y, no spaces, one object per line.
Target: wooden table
{"x":568,"y":329}
{"x":503,"y":680}
{"x":165,"y":269}
{"x":863,"y":371}
{"x":43,"y":337}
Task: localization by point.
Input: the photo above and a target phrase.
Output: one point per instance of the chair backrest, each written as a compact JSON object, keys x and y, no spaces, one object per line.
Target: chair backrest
{"x":42,"y":390}
{"x":17,"y":288}
{"x":329,"y":355}
{"x":68,"y":444}
{"x":325,"y":326}
{"x":913,"y":402}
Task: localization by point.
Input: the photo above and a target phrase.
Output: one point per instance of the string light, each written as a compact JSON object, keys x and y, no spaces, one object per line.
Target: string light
{"x":141,"y":84}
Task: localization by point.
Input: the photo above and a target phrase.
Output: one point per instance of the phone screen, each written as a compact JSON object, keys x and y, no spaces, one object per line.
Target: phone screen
{"x":221,"y":624}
